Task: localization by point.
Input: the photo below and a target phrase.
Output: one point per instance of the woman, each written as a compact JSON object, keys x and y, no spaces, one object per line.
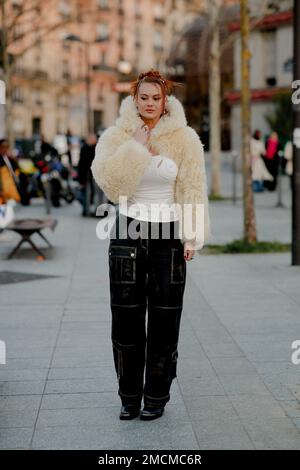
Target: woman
{"x":259,"y":170}
{"x":86,"y":190}
{"x":156,"y":161}
{"x":271,"y":159}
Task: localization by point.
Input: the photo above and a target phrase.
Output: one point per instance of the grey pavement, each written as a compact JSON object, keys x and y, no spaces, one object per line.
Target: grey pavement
{"x":236,"y":386}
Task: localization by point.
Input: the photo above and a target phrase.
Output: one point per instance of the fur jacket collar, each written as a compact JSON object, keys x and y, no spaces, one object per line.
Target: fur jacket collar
{"x":120,"y":162}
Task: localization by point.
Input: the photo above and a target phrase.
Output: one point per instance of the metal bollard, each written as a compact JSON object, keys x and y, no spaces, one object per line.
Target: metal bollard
{"x":279,"y":181}
{"x":45,"y":180}
{"x":234,"y":156}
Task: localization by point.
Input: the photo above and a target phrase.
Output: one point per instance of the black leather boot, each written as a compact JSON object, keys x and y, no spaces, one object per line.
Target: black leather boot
{"x":129,"y":411}
{"x":148,"y":413}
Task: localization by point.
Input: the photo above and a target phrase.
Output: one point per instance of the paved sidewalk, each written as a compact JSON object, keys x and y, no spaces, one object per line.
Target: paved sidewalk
{"x":273,"y":223}
{"x":236,"y":387}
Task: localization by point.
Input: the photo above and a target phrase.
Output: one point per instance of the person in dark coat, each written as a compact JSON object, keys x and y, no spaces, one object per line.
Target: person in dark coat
{"x":85,"y":179}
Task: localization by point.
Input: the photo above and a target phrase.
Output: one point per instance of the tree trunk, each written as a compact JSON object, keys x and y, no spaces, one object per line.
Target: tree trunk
{"x":249,"y":213}
{"x":6,"y":77}
{"x":215,"y":97}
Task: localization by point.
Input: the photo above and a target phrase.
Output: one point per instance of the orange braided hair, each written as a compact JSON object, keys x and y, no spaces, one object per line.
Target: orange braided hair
{"x":153,"y":76}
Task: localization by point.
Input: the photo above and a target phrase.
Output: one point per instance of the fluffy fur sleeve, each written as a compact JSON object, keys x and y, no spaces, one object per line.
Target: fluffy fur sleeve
{"x":119,"y":163}
{"x":192,"y":185}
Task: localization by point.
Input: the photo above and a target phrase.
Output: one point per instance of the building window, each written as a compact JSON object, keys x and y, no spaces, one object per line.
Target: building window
{"x":36,"y":97}
{"x":98,"y":121}
{"x":19,"y":65}
{"x":103,"y":4}
{"x":66,"y":45}
{"x":120,"y":7}
{"x":138,"y":38}
{"x":288,"y":65}
{"x":174,"y":28}
{"x":65,"y":69}
{"x":17,"y":32}
{"x":102,"y":32}
{"x":62,"y":101}
{"x":17,"y":95}
{"x":120,"y":35}
{"x":17,"y":5}
{"x":138,"y":9}
{"x":182,"y":48}
{"x":64,"y":9}
{"x":100,"y":93}
{"x":270,"y":57}
{"x":158,"y":11}
{"x":36,"y":125}
{"x":38,"y":60}
{"x":158,"y":41}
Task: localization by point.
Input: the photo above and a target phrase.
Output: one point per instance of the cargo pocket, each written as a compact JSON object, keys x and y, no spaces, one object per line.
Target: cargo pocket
{"x":177,"y":266}
{"x":122,"y":264}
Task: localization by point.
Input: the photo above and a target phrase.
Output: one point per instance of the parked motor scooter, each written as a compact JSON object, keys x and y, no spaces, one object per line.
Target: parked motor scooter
{"x":54,"y":177}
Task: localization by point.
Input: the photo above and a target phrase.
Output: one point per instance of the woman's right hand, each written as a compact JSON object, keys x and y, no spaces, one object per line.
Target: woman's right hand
{"x":142,"y":134}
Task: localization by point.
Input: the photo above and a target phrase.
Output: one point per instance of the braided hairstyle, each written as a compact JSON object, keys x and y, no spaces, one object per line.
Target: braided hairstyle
{"x":153,"y":76}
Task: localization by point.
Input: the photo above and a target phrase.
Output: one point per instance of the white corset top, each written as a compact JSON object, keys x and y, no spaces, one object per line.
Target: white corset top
{"x":154,"y":199}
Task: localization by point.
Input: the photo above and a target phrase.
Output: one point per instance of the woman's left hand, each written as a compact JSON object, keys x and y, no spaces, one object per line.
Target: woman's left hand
{"x":189,"y":251}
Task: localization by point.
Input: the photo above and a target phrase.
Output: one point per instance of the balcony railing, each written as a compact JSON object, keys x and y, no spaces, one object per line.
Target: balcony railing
{"x":103,"y":68}
{"x":31,"y":73}
{"x":102,"y":38}
{"x":159,"y":19}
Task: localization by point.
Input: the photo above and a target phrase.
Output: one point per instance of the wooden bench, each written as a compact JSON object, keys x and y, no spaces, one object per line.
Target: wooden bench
{"x":26,"y":228}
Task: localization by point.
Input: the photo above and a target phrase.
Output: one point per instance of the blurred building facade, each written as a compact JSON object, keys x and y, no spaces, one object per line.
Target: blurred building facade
{"x":190,"y":54}
{"x":78,"y":71}
{"x":271,"y":47}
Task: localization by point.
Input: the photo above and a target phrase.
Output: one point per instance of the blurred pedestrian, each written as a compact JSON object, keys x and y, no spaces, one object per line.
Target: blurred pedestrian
{"x":9,"y":181}
{"x":69,"y":138}
{"x":272,"y":158}
{"x":259,"y":170}
{"x":151,"y":156}
{"x":46,"y":149}
{"x":84,"y":174}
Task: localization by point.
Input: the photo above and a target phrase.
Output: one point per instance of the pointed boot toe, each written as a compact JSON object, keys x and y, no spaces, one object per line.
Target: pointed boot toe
{"x":149,"y":413}
{"x":129,"y":412}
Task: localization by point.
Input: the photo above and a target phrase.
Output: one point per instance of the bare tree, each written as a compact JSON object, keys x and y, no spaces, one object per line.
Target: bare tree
{"x":215,"y":10}
{"x":214,"y":7}
{"x":249,"y":213}
{"x":23,"y":28}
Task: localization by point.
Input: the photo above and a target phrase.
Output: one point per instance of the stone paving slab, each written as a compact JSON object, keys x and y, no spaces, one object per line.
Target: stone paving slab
{"x":236,"y":387}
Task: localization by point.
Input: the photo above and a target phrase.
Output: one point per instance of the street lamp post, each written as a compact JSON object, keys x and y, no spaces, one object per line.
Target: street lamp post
{"x":86,"y":45}
{"x":296,"y":147}
{"x":88,"y":85}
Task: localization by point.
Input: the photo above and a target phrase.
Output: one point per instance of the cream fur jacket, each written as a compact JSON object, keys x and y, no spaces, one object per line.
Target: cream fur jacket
{"x":120,"y":162}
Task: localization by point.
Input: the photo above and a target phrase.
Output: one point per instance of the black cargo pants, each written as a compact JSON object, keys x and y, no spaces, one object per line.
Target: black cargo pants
{"x":146,"y":275}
